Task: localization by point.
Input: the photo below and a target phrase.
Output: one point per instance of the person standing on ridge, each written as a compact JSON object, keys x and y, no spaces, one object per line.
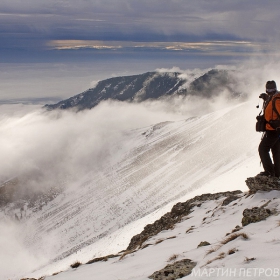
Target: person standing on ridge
{"x":270,"y":140}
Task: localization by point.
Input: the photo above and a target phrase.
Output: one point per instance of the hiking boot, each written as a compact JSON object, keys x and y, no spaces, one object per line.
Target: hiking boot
{"x":266,"y":173}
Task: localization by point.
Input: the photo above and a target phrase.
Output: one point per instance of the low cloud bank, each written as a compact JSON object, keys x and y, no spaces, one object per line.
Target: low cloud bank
{"x":58,"y":144}
{"x":66,"y":142}
{"x":48,"y":147}
{"x":16,"y":257}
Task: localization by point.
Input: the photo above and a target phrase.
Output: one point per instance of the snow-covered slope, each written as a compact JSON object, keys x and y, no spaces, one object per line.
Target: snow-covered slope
{"x":165,"y":162}
{"x":158,"y":166}
{"x":233,"y":251}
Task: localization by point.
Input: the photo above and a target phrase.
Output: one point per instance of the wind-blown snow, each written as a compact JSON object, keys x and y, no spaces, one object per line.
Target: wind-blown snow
{"x":256,"y":257}
{"x":159,"y":166}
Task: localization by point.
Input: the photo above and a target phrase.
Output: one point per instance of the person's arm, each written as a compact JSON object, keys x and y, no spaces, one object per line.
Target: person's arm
{"x":277,"y":106}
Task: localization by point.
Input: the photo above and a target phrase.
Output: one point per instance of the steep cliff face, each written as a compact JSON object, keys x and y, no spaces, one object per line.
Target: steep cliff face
{"x":151,"y":86}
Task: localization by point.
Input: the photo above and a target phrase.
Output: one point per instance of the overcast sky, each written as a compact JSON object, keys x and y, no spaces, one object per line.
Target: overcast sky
{"x":145,"y":34}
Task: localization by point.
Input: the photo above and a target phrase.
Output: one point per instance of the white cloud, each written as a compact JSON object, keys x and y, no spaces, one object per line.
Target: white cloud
{"x":67,"y":143}
{"x":38,"y":139}
{"x":93,"y":84}
{"x":16,"y":257}
{"x":57,"y":144}
{"x":61,"y":143}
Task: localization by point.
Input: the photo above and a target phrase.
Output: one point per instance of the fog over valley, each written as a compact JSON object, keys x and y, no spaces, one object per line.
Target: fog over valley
{"x":60,"y":150}
{"x":129,"y":159}
{"x":127,"y":137}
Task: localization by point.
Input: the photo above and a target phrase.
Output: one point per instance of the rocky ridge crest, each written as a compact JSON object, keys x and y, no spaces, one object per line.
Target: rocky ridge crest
{"x":179,"y":210}
{"x":182,"y":210}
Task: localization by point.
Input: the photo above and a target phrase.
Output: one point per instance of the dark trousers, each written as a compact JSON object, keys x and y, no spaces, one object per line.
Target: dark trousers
{"x":271,"y":142}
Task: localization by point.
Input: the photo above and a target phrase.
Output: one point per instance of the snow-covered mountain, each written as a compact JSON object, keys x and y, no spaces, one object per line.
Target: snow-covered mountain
{"x":156,"y":167}
{"x":152,"y":86}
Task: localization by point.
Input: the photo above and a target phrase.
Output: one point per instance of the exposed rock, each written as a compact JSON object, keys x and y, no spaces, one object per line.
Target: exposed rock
{"x":135,"y":88}
{"x":203,"y":243}
{"x":230,"y":199}
{"x":102,"y":259}
{"x":248,"y":260}
{"x":174,"y":271}
{"x":254,"y":215}
{"x":152,"y":86}
{"x":168,"y":220}
{"x":237,"y":228}
{"x":232,"y":251}
{"x":75,"y":265}
{"x":262,"y":183}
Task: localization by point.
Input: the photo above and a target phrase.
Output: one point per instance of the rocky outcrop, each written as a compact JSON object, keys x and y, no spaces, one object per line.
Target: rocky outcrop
{"x":102,"y":259}
{"x":203,"y":243}
{"x":259,"y":183}
{"x":176,"y":214}
{"x":262,"y":183}
{"x":254,"y":215}
{"x":174,"y":271}
{"x":230,"y":199}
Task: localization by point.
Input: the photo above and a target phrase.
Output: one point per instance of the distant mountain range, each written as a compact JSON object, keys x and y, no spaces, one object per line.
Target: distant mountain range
{"x":151,"y":86}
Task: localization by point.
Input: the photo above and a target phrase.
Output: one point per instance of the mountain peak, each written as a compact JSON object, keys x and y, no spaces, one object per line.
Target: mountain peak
{"x":149,"y":86}
{"x":136,"y":88}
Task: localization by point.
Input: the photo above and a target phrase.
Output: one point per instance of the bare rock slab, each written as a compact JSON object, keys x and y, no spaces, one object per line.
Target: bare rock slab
{"x":262,"y":183}
{"x":174,"y":271}
{"x":254,"y":215}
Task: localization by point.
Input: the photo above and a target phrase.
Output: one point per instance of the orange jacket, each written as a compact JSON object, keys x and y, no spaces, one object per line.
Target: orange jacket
{"x":269,"y":113}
